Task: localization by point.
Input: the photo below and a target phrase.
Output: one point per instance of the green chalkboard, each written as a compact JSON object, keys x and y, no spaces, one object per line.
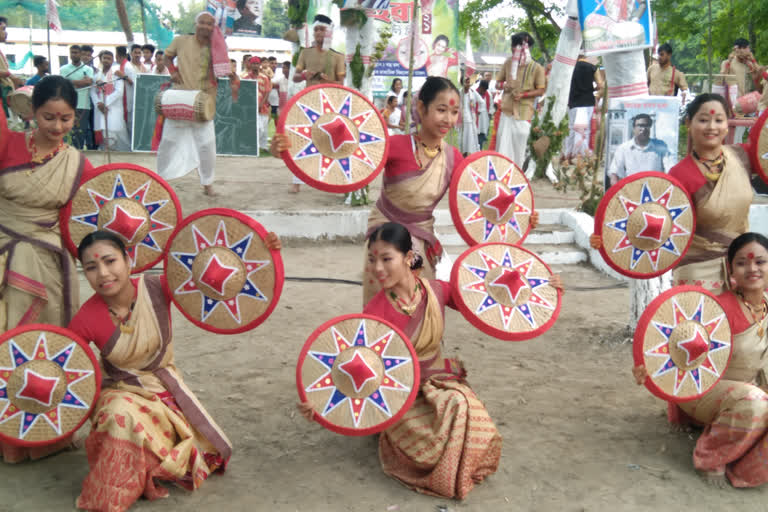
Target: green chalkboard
{"x":236,"y":122}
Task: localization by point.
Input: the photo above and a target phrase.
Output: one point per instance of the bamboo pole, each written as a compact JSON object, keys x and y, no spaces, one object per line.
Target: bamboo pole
{"x":409,"y":102}
{"x":122,"y":14}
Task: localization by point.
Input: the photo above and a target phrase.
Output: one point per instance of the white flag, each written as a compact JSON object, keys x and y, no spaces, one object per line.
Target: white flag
{"x":470,"y":58}
{"x":52,"y":14}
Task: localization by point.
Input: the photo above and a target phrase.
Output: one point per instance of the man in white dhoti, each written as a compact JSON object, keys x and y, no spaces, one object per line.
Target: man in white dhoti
{"x":470,"y":102}
{"x":107,"y":95}
{"x":483,"y":113}
{"x":187,"y":145}
{"x":522,"y":80}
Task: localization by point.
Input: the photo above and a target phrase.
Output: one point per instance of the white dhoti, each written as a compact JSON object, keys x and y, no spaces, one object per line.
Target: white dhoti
{"x":187,"y":145}
{"x":579,"y":124}
{"x":468,"y":143}
{"x":512,"y":138}
{"x":263,"y":131}
{"x":114,"y":123}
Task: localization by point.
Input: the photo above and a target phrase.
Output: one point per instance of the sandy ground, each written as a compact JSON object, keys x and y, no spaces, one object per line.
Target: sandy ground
{"x":579,"y":435}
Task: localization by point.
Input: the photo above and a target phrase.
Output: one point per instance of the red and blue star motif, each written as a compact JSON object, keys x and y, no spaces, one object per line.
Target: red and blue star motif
{"x":501,"y":202}
{"x":125,"y":225}
{"x":338,"y":133}
{"x":692,"y":347}
{"x":514,"y":287}
{"x":359,"y":373}
{"x":240,"y":248}
{"x":40,"y":388}
{"x":651,"y":229}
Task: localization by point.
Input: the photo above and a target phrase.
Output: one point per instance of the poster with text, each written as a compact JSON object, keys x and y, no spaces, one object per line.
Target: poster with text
{"x":238,"y":17}
{"x":615,"y":25}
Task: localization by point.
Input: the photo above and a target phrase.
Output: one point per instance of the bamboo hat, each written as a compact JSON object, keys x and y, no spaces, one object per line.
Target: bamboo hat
{"x":128,"y":200}
{"x":49,"y":383}
{"x":504,"y":291}
{"x":339,"y":141}
{"x":220,"y":273}
{"x":490,"y":200}
{"x":646,"y":222}
{"x":683,"y":339}
{"x":359,"y":373}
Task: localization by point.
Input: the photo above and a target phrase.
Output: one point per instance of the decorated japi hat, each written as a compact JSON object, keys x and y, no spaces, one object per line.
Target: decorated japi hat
{"x":339,"y":141}
{"x":359,"y":373}
{"x":220,"y":273}
{"x":504,"y":290}
{"x":490,"y":200}
{"x":49,"y":384}
{"x":758,"y":146}
{"x":646,"y":223}
{"x":129,"y":201}
{"x":683,"y":339}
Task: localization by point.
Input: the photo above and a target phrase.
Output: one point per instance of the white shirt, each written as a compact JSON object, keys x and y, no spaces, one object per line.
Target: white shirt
{"x":631,"y":158}
{"x":273,"y":97}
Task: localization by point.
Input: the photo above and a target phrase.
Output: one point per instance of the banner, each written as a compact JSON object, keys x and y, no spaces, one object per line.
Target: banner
{"x":436,"y":42}
{"x":238,"y":17}
{"x":615,"y":25}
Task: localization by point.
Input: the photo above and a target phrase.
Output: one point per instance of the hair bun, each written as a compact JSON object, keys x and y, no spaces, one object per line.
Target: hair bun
{"x":417,"y":262}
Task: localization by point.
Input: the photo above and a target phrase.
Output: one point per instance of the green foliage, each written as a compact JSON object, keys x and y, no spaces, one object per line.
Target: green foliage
{"x":357,"y":68}
{"x":184,"y":23}
{"x":353,"y":18}
{"x":378,"y":51}
{"x":545,"y":127}
{"x":275,"y":19}
{"x":297,"y":12}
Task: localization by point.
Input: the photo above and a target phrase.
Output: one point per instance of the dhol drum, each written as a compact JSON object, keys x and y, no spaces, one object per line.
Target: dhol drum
{"x":747,"y":104}
{"x":758,"y":146}
{"x":185,"y":105}
{"x":20,"y":102}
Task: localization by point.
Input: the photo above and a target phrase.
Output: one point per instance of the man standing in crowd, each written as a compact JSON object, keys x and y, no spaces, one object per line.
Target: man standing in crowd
{"x":664,"y":79}
{"x":86,"y":55}
{"x":81,"y":76}
{"x":265,"y":109}
{"x":744,"y":75}
{"x":8,"y":81}
{"x":581,"y":105}
{"x":320,"y":64}
{"x":41,"y":64}
{"x":274,"y":93}
{"x":640,"y":153}
{"x":187,"y":145}
{"x":107,"y":96}
{"x":160,"y":67}
{"x":148,"y":51}
{"x":131,"y":69}
{"x":470,"y":102}
{"x":522,"y":80}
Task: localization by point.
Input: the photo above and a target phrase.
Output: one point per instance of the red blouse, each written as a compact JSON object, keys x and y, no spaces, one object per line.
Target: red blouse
{"x":687,"y":172}
{"x":380,"y":306}
{"x":401,"y":157}
{"x":736,"y":317}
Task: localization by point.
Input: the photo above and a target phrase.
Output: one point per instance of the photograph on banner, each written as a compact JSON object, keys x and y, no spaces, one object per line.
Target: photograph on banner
{"x":435,"y":53}
{"x":642,"y":135}
{"x":237,"y":17}
{"x":615,"y":25}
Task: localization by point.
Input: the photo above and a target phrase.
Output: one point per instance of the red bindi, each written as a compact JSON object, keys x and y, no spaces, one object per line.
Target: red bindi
{"x":95,"y":255}
{"x":712,"y":111}
{"x":751,"y":256}
{"x":452,"y":102}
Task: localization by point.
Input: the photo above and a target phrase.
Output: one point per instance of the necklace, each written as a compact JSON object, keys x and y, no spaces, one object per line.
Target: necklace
{"x":430,"y":152}
{"x":36,"y":157}
{"x":407,"y":307}
{"x":123,"y":328}
{"x":756,"y":311}
{"x":714,"y":165}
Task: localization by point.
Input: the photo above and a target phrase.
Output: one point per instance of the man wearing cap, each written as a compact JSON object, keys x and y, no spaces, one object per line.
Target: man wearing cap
{"x":200,"y":59}
{"x":320,"y":64}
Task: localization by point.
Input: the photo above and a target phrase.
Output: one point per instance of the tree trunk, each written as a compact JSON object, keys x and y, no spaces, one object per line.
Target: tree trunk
{"x":535,"y":30}
{"x":642,"y":292}
{"x":122,"y":14}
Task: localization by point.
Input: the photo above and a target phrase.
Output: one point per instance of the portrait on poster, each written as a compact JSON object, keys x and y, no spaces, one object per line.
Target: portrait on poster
{"x":615,"y":25}
{"x":641,"y":135}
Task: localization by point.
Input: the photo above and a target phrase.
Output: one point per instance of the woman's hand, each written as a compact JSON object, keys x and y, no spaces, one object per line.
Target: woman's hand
{"x":534,"y":219}
{"x":595,"y":241}
{"x":306,"y":410}
{"x":555,"y":281}
{"x":280,"y":142}
{"x":273,"y":242}
{"x":640,"y":374}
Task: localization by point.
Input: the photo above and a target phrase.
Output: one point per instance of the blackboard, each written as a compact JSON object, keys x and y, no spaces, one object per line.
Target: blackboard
{"x":236,"y":122}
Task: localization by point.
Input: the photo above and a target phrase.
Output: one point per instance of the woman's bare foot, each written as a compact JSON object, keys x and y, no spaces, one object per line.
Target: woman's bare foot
{"x":716,"y":479}
{"x":208,"y":190}
{"x":294,"y":188}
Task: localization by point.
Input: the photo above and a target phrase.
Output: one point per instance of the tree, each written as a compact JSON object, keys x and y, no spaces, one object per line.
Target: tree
{"x":184,"y":23}
{"x":275,"y":21}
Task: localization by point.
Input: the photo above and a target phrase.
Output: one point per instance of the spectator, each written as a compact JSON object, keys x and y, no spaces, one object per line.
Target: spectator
{"x":41,"y":64}
{"x":81,"y":76}
{"x":148,"y":51}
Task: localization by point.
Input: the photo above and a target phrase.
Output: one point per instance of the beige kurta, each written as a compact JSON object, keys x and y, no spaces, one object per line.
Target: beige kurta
{"x":316,"y":61}
{"x":529,"y":78}
{"x":662,"y":81}
{"x":194,"y":63}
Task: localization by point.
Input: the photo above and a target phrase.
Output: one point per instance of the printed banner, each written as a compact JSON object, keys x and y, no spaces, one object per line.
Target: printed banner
{"x":615,"y":25}
{"x":238,"y":17}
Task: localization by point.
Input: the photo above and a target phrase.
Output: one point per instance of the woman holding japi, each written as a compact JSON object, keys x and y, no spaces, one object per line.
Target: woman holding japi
{"x":446,"y":442}
{"x":733,"y":447}
{"x":147,"y":424}
{"x":416,"y":175}
{"x":39,"y":174}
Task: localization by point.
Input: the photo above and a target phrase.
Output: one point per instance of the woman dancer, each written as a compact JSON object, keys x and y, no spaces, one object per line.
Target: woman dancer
{"x":717,"y":177}
{"x":147,"y":423}
{"x":456,"y":444}
{"x":733,"y":446}
{"x":39,"y":174}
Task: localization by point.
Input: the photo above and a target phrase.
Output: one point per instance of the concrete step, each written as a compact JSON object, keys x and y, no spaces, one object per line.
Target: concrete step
{"x":543,"y":234}
{"x":552,"y":254}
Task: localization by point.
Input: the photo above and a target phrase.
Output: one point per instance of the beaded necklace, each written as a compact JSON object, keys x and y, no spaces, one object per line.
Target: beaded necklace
{"x":36,"y":158}
{"x":756,"y":311}
{"x":714,"y":166}
{"x":409,"y":307}
{"x":123,"y":327}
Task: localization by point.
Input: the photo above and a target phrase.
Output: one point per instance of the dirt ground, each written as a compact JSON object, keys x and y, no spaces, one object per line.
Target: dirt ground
{"x":579,"y":435}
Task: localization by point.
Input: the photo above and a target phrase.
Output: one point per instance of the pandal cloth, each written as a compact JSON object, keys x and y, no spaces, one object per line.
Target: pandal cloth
{"x":446,"y":442}
{"x":147,"y":423}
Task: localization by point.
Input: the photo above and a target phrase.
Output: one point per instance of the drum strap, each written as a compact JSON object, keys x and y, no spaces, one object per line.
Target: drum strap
{"x":672,"y":85}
